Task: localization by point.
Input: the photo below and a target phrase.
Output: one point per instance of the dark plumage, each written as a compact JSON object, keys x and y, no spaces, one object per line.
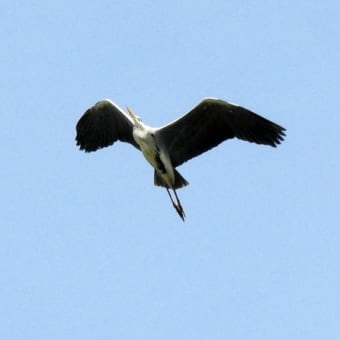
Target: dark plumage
{"x":102,"y":125}
{"x":205,"y":126}
{"x":210,"y":123}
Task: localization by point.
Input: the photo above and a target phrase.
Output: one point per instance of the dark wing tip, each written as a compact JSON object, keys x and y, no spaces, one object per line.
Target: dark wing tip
{"x":245,"y":124}
{"x":276,"y":135}
{"x":268,"y":133}
{"x":279,"y":136}
{"x":251,"y":127}
{"x":95,"y":129}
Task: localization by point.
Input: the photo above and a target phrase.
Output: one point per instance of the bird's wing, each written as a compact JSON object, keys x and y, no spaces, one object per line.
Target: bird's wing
{"x":102,"y":125}
{"x":211,"y":122}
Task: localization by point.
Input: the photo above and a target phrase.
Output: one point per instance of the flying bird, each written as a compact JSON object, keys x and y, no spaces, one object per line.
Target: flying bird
{"x":205,"y":126}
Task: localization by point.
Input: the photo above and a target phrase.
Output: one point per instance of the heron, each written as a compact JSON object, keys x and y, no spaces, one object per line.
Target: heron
{"x":202,"y":128}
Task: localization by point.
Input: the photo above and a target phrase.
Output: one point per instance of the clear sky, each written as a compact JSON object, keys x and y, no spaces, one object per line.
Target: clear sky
{"x":90,"y":249}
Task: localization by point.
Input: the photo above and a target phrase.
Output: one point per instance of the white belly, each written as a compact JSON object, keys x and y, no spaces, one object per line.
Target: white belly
{"x":154,"y":155}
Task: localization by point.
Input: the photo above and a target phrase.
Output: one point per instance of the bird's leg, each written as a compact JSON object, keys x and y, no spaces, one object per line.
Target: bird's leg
{"x":177,"y":206}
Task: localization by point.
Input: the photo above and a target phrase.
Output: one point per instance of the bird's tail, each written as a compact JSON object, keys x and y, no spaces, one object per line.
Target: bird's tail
{"x":180,"y":181}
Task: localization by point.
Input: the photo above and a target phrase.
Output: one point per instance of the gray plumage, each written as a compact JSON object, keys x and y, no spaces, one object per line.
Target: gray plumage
{"x":204,"y":127}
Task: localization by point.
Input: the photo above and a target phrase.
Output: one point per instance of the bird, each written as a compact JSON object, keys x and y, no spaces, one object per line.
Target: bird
{"x":209,"y":123}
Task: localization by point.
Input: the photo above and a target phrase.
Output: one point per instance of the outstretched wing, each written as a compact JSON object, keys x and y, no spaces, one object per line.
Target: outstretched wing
{"x":211,"y":122}
{"x":102,"y":125}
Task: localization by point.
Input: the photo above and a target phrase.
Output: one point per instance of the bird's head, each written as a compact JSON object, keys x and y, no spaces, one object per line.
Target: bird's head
{"x":136,"y":119}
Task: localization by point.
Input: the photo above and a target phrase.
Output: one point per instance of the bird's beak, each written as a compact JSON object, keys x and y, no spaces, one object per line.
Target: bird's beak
{"x":132,"y":114}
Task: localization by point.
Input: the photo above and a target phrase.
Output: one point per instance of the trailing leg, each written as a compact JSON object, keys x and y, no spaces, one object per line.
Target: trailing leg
{"x":176,"y":205}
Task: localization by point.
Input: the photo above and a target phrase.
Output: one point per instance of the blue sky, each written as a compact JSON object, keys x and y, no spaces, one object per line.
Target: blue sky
{"x":90,"y":249}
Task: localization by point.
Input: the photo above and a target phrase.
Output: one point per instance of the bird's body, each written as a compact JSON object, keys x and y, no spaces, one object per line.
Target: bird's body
{"x":159,"y":159}
{"x":205,"y":126}
{"x":154,"y":152}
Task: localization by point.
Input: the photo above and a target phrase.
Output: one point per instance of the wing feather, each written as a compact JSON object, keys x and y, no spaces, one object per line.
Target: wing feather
{"x":210,"y":123}
{"x":102,"y":125}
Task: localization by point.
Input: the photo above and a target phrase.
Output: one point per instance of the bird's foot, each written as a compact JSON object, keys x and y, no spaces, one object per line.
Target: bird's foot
{"x":180,"y":210}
